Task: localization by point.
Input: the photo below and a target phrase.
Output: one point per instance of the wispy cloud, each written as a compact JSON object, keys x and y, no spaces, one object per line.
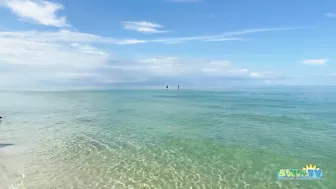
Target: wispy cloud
{"x":66,"y":36}
{"x":315,"y":61}
{"x":226,"y":36}
{"x":37,"y":11}
{"x":256,"y":30}
{"x":331,"y":15}
{"x":143,"y":26}
{"x":73,"y":36}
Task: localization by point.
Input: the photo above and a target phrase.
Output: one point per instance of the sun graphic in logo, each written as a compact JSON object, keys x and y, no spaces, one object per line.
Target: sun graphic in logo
{"x":310,"y":167}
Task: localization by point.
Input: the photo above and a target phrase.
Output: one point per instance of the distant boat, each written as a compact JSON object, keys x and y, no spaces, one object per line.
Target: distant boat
{"x":178,"y":87}
{"x":167,"y":87}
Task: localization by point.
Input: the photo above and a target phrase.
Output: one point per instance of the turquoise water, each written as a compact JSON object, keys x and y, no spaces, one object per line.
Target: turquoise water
{"x":166,"y":139}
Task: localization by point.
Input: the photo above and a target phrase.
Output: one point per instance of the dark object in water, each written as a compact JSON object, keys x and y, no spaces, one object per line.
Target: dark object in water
{"x":167,"y":87}
{"x":0,"y":117}
{"x":2,"y":145}
{"x":178,"y":87}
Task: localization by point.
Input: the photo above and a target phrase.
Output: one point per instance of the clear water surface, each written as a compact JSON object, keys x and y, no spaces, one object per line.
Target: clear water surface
{"x":166,"y":139}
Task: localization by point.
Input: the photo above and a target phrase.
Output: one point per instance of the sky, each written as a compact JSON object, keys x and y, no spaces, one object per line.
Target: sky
{"x":191,"y":43}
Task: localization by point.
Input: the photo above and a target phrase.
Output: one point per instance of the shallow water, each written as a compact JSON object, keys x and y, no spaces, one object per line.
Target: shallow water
{"x":166,"y":139}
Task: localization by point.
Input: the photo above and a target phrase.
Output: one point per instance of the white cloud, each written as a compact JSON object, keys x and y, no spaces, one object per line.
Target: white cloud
{"x":30,"y":62}
{"x":25,"y":63}
{"x":33,"y":57}
{"x":331,"y":15}
{"x":65,"y":56}
{"x":240,"y":71}
{"x":143,"y":26}
{"x":25,"y":52}
{"x":67,"y":36}
{"x":37,"y":47}
{"x":315,"y":61}
{"x":179,"y":67}
{"x":264,"y":74}
{"x":57,"y":36}
{"x":39,"y":11}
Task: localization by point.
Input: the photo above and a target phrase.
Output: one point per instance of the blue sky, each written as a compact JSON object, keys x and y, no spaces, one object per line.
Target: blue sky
{"x":157,"y":42}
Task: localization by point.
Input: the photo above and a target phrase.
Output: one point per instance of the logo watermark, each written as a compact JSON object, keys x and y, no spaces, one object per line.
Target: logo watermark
{"x":309,"y":172}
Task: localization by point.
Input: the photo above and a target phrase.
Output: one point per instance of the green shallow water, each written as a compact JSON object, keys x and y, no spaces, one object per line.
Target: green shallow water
{"x":166,"y":139}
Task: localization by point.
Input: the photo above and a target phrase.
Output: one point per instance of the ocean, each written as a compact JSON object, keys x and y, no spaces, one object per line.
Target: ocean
{"x":218,"y":139}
